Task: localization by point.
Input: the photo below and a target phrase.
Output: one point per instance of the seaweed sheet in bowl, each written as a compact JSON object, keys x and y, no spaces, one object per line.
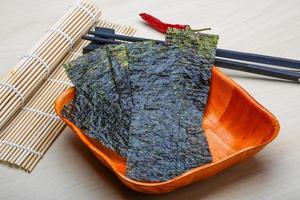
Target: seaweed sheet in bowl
{"x":236,"y":127}
{"x":146,"y":101}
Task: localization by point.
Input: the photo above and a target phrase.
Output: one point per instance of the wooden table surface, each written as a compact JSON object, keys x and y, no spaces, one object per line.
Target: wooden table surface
{"x":69,"y":171}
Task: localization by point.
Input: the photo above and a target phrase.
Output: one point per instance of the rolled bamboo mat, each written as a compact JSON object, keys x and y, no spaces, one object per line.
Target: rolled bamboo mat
{"x":26,"y":138}
{"x":41,"y":60}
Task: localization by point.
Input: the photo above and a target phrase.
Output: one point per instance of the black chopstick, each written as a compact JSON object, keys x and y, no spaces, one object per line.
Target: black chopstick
{"x":256,"y":58}
{"x":100,"y":40}
{"x":223,"y":53}
{"x":122,"y":37}
{"x":257,"y":69}
{"x":230,"y":64}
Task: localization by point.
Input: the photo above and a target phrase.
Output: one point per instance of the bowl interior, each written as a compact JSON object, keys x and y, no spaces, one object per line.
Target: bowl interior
{"x":233,"y":122}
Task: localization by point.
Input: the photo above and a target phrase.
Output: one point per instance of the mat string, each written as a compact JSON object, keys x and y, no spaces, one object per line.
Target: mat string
{"x":61,"y":82}
{"x":39,"y":59}
{"x":65,"y":36}
{"x":15,"y":90}
{"x":21,"y":147}
{"x":81,"y":6}
{"x":41,"y":113}
{"x":33,"y":140}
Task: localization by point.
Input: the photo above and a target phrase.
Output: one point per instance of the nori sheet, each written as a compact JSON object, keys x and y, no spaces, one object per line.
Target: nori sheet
{"x":154,"y":96}
{"x":166,"y":138}
{"x":96,"y":108}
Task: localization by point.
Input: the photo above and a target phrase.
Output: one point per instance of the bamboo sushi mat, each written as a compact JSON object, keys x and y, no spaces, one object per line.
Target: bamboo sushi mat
{"x":28,"y":123}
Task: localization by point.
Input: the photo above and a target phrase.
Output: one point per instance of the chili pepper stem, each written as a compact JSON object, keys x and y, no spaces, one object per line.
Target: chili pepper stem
{"x":202,"y":29}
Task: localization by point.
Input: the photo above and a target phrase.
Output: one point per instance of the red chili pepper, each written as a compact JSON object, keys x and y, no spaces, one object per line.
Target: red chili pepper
{"x":159,"y":25}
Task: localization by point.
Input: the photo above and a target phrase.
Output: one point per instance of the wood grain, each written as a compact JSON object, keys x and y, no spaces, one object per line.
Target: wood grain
{"x":271,"y":27}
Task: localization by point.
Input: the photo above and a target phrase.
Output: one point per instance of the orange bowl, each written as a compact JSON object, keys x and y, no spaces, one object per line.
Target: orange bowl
{"x":236,"y":127}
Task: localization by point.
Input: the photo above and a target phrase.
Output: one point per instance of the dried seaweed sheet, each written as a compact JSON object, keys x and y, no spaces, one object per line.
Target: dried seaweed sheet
{"x":171,"y":87}
{"x":154,"y":96}
{"x":96,"y":108}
